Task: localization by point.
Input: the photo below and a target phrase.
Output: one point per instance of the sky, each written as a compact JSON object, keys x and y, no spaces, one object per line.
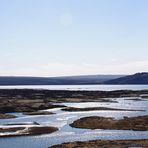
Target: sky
{"x":73,"y":37}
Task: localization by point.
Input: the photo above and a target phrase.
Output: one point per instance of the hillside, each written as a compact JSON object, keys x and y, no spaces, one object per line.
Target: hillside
{"x":69,"y":80}
{"x":138,"y":78}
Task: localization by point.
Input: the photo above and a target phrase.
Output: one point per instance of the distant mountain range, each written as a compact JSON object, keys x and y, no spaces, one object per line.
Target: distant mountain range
{"x":67,"y":80}
{"x":138,"y":78}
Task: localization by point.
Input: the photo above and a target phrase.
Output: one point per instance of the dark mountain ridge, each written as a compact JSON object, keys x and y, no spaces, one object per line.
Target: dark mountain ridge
{"x":138,"y":78}
{"x":65,"y":80}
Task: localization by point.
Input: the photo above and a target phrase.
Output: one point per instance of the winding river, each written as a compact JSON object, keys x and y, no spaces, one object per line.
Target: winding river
{"x":62,"y":119}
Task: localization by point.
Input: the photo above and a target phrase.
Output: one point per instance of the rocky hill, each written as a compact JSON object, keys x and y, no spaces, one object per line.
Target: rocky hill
{"x":138,"y":78}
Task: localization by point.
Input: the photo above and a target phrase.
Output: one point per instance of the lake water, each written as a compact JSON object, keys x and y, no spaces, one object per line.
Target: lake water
{"x":79,"y":87}
{"x":62,"y":119}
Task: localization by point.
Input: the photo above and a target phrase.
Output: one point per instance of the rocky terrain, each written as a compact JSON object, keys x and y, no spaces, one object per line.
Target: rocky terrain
{"x":38,"y":113}
{"x":96,"y":122}
{"x":74,"y":109}
{"x":6,"y":116}
{"x":105,"y":144}
{"x":25,"y":130}
{"x":27,"y":100}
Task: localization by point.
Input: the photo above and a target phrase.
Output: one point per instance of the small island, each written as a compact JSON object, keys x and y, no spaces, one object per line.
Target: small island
{"x":95,"y":122}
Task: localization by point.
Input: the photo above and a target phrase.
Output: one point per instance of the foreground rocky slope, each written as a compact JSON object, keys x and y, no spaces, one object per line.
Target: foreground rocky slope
{"x":105,"y":144}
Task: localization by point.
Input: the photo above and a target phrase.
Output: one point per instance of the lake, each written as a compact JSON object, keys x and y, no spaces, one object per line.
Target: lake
{"x":62,"y":119}
{"x":79,"y":87}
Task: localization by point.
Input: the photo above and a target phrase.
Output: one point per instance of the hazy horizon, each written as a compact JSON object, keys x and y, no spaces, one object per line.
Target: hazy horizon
{"x":73,"y":37}
{"x":71,"y":75}
{"x":59,"y":76}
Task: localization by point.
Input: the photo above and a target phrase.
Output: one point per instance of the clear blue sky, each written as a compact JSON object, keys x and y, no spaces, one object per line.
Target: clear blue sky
{"x":72,"y":37}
